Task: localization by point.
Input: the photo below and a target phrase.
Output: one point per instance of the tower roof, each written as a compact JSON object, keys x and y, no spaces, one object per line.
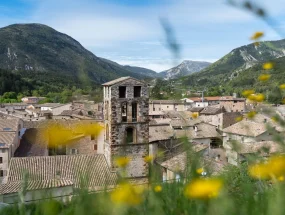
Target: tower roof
{"x":118,"y":80}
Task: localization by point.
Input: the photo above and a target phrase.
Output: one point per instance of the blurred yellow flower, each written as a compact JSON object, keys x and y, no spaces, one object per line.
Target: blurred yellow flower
{"x":239,"y":118}
{"x":283,"y":101}
{"x":267,"y":66}
{"x":246,"y":93}
{"x":148,"y":159}
{"x":256,"y":97}
{"x":264,"y":77}
{"x":60,"y":134}
{"x":257,"y":35}
{"x":282,"y":86}
{"x":273,"y":168}
{"x":203,"y":188}
{"x":122,"y":161}
{"x":157,"y":189}
{"x":274,"y":119}
{"x":281,"y":178}
{"x":199,"y":171}
{"x":251,"y":114}
{"x":127,"y":194}
{"x":194,"y":115}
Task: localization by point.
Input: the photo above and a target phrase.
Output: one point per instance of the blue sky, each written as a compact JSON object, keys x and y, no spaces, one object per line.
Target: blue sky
{"x":130,"y":32}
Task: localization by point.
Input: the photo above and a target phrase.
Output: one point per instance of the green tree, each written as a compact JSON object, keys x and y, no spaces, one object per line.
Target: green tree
{"x":275,"y":96}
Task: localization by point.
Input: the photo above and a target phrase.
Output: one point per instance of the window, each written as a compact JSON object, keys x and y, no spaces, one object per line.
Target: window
{"x":137,"y":91}
{"x":122,"y":92}
{"x":1,"y":173}
{"x":92,"y":137}
{"x":124,"y":109}
{"x":95,"y":147}
{"x":73,"y":151}
{"x":107,"y":133}
{"x":1,"y":159}
{"x":134,"y":112}
{"x":153,"y":109}
{"x":129,"y":135}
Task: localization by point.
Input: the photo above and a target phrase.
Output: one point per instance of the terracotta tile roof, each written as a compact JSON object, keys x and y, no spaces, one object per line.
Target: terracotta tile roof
{"x":9,"y":124}
{"x":211,"y":110}
{"x":15,"y":187}
{"x":118,"y":80}
{"x":264,"y":147}
{"x":6,"y":139}
{"x":196,"y":109}
{"x":246,"y":128}
{"x":178,"y":162}
{"x":63,"y":167}
{"x":160,"y":132}
{"x":210,"y":98}
{"x":166,"y":102}
{"x":204,"y":130}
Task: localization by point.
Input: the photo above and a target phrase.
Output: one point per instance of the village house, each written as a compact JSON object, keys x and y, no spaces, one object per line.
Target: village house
{"x":233,"y":104}
{"x":32,"y":99}
{"x":11,"y":131}
{"x":243,"y":132}
{"x":166,"y":105}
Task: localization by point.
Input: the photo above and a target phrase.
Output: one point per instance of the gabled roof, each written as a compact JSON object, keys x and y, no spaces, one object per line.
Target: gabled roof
{"x":178,"y":163}
{"x":63,"y":167}
{"x":160,"y":132}
{"x":246,"y":128}
{"x":211,"y":110}
{"x":9,"y":124}
{"x":15,"y":187}
{"x":118,"y":80}
{"x":264,"y":147}
{"x":6,"y":139}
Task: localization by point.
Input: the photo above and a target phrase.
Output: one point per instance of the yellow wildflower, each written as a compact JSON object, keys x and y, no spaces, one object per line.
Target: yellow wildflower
{"x":199,"y":171}
{"x":257,"y":35}
{"x":281,"y":178}
{"x":264,"y":77}
{"x":148,"y":159}
{"x":122,"y":161}
{"x":127,"y":194}
{"x":251,"y":114}
{"x":273,"y":168}
{"x":256,"y":97}
{"x":274,"y":119}
{"x":195,"y":115}
{"x":246,"y":93}
{"x":157,"y":189}
{"x":203,"y":188}
{"x":239,"y":118}
{"x":267,"y":66}
{"x":282,"y":86}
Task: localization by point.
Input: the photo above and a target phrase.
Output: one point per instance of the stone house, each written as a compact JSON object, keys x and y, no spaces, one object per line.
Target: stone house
{"x":243,"y":132}
{"x":167,"y":105}
{"x":262,"y":148}
{"x":11,"y":131}
{"x":234,"y":104}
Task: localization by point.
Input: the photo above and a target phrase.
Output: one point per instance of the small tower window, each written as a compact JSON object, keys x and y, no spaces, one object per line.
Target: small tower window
{"x":122,"y":92}
{"x":130,"y":135}
{"x":134,"y":112}
{"x":137,"y":91}
{"x":124,"y":112}
{"x":107,"y":133}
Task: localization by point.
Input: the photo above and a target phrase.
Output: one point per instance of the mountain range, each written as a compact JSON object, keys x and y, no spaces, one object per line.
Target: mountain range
{"x":36,"y":47}
{"x":187,"y":67}
{"x":231,"y":66}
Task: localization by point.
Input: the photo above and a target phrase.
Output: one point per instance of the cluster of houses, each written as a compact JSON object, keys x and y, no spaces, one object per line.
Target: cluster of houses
{"x":135,"y":127}
{"x":37,"y":112}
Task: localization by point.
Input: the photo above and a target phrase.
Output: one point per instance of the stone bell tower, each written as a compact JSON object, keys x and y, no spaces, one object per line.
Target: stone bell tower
{"x":126,"y":107}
